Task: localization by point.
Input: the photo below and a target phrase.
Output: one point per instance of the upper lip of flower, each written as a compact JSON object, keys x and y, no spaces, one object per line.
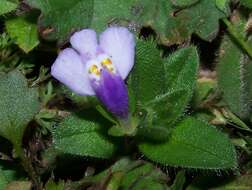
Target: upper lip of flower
{"x":89,"y":68}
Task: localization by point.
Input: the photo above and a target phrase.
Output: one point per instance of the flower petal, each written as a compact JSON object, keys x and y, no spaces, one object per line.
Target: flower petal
{"x":69,"y":70}
{"x":112,"y":92}
{"x":85,"y":42}
{"x":119,"y":43}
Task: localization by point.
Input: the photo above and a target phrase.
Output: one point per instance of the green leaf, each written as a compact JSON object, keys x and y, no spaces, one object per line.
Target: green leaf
{"x":223,"y":5}
{"x":7,"y":6}
{"x":18,"y":105}
{"x":162,"y":111}
{"x":83,"y":134}
{"x":181,"y":69}
{"x":184,"y":3}
{"x":159,"y":15}
{"x":155,"y":134}
{"x":23,"y":32}
{"x":203,"y":23}
{"x":233,"y":71}
{"x":193,"y":144}
{"x":246,"y":3}
{"x":62,"y":17}
{"x":147,"y":77}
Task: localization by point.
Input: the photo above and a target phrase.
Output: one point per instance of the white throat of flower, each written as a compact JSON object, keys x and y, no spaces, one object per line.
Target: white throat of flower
{"x":96,"y":65}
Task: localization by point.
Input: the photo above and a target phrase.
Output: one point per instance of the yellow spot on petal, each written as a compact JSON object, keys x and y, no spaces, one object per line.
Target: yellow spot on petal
{"x":94,"y":70}
{"x":106,"y":61}
{"x":107,"y":64}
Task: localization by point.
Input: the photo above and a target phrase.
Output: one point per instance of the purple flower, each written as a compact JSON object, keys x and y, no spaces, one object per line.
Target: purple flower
{"x":98,"y":68}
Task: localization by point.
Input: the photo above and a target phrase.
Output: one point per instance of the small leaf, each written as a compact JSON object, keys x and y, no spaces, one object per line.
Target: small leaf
{"x":23,"y":32}
{"x":83,"y":134}
{"x":7,"y":6}
{"x":147,"y":77}
{"x":18,"y":105}
{"x":193,"y":144}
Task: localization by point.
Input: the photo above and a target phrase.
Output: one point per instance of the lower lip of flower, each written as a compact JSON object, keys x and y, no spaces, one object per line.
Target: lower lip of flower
{"x":108,"y":85}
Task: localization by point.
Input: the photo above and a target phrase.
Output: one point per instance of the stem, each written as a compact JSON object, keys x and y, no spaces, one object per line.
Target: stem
{"x":27,"y":165}
{"x":239,"y":38}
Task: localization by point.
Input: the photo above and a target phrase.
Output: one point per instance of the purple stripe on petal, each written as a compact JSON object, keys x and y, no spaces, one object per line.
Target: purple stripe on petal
{"x":112,"y":92}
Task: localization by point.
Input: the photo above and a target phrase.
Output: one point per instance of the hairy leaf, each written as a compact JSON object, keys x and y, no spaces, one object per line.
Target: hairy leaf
{"x":193,"y":144}
{"x":82,"y":134}
{"x":233,"y":70}
{"x":147,"y":77}
{"x":18,"y":105}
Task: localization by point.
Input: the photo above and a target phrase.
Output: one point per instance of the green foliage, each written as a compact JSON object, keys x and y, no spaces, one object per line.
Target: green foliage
{"x":223,"y":5}
{"x":78,"y":134}
{"x":66,"y":141}
{"x":180,"y":75}
{"x":61,"y":18}
{"x":247,"y":3}
{"x":9,"y":172}
{"x":181,"y":69}
{"x":204,"y":88}
{"x":56,"y":22}
{"x":163,"y":112}
{"x":147,"y":78}
{"x":193,"y":144}
{"x":23,"y":32}
{"x":155,"y":133}
{"x":18,"y":105}
{"x":179,"y":181}
{"x":233,"y":71}
{"x":184,"y":3}
{"x":135,"y":175}
{"x":7,"y":6}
